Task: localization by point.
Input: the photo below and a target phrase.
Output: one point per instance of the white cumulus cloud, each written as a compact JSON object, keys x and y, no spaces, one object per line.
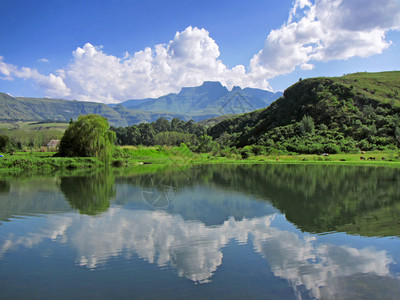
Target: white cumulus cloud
{"x":52,"y":84}
{"x":187,"y":60}
{"x":316,"y":30}
{"x":326,"y":30}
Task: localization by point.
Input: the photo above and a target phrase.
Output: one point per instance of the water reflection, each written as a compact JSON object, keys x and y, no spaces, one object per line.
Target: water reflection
{"x":4,"y":187}
{"x":273,"y":210}
{"x":90,"y":195}
{"x":196,"y":250}
{"x":31,"y":196}
{"x":307,"y":264}
{"x":318,"y":199}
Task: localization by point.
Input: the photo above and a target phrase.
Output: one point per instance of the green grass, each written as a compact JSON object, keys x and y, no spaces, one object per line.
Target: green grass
{"x":156,"y":155}
{"x":32,"y":134}
{"x":165,"y":157}
{"x":178,"y":155}
{"x":31,"y":125}
{"x":382,"y":86}
{"x":44,"y":163}
{"x":334,"y":159}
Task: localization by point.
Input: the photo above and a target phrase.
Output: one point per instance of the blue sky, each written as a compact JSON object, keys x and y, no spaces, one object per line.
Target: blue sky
{"x":110,"y":51}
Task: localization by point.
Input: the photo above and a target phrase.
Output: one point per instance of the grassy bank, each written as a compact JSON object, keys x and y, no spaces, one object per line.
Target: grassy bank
{"x":166,"y":156}
{"x":43,"y":162}
{"x":183,"y":155}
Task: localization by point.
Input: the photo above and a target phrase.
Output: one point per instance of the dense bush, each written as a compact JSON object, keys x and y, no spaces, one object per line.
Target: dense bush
{"x":206,"y":144}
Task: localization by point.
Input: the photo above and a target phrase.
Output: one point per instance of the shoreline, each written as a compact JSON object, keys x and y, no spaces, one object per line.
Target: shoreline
{"x":39,"y":162}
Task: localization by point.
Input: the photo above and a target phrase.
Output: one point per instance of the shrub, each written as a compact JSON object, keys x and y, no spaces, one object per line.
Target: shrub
{"x":246,"y":152}
{"x":307,"y":125}
{"x":206,"y":144}
{"x":257,"y":149}
{"x":331,"y":148}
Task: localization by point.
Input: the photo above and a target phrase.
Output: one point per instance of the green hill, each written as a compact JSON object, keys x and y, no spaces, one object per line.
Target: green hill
{"x":41,"y":109}
{"x":356,"y":111}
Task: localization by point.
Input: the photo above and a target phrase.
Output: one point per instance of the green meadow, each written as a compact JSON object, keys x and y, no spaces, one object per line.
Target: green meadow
{"x":145,"y":158}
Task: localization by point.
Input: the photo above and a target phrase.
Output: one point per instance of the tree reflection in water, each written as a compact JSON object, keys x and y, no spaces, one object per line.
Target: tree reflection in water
{"x":90,"y":195}
{"x":4,"y":187}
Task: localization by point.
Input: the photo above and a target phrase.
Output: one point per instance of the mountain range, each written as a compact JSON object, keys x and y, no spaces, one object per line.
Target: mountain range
{"x":209,"y":100}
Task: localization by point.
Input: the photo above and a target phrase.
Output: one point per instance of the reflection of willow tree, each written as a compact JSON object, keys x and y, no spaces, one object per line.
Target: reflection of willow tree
{"x":91,"y":194}
{"x":4,"y":187}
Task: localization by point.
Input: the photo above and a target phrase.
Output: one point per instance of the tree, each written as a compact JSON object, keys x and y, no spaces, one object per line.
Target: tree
{"x":307,"y":125}
{"x":397,"y":134}
{"x":206,"y":144}
{"x":89,"y":136}
{"x":177,"y":124}
{"x":146,"y":134}
{"x":161,"y":125}
{"x":173,"y":138}
{"x":4,"y":142}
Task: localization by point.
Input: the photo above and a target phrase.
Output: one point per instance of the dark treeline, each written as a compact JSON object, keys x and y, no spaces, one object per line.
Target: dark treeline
{"x":160,"y":132}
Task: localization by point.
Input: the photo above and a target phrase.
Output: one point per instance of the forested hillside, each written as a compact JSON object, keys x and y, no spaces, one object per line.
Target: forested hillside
{"x":356,"y":111}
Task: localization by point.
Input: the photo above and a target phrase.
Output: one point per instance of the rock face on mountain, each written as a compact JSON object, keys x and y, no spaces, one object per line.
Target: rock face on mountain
{"x":209,"y":100}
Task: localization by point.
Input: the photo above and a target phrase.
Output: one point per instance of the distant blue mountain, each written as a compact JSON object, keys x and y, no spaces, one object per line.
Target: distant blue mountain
{"x":131,"y":103}
{"x":209,"y":99}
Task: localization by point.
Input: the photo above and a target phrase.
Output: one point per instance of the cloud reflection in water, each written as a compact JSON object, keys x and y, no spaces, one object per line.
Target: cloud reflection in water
{"x":195,"y":249}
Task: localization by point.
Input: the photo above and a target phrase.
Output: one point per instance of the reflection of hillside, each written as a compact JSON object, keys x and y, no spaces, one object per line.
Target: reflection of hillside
{"x":358,"y":200}
{"x":325,"y":198}
{"x":384,"y":221}
{"x":91,"y":195}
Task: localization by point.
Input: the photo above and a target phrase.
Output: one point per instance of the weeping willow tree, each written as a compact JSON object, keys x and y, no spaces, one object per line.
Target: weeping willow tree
{"x":89,"y":136}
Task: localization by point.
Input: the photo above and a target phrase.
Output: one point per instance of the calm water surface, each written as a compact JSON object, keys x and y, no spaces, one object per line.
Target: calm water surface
{"x":221,"y":232}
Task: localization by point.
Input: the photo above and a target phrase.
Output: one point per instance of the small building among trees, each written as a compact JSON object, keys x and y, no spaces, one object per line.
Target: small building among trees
{"x":53,"y":145}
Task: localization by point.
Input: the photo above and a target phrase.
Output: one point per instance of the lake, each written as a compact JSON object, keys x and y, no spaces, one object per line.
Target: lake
{"x":218,"y":231}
